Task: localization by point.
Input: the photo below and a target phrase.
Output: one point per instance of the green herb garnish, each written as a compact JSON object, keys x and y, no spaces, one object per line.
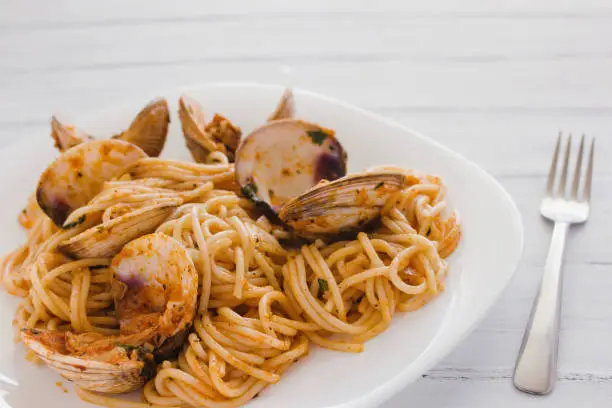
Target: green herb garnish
{"x":379,"y":185}
{"x":271,"y":192}
{"x":249,"y":191}
{"x":76,"y":223}
{"x":323,"y":287}
{"x":148,"y":370}
{"x":317,"y":136}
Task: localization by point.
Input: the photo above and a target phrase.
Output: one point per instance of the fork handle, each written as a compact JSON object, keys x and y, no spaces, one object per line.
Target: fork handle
{"x":536,"y":366}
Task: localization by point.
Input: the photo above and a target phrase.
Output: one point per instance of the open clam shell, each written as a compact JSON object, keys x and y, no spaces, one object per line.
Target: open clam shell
{"x":107,"y":239}
{"x":67,"y":136}
{"x":342,"y":206}
{"x":156,"y":296}
{"x":285,"y":158}
{"x":161,"y":288}
{"x":202,"y":139}
{"x":147,"y":131}
{"x":285,"y":108}
{"x":117,"y":370}
{"x":193,"y":123}
{"x":224,"y":131}
{"x":78,"y":174}
{"x":150,"y":128}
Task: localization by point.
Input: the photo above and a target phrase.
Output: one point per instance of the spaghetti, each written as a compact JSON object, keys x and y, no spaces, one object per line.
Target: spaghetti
{"x":261,"y":303}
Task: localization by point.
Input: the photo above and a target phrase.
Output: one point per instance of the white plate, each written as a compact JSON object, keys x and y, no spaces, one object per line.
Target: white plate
{"x":480,"y":270}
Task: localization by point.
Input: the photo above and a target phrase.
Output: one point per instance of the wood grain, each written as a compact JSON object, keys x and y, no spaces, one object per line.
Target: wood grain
{"x":493,"y":81}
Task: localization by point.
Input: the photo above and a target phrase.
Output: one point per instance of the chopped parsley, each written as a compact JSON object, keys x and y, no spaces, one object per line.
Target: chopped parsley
{"x":249,"y":191}
{"x":317,"y":136}
{"x":332,"y":148}
{"x":76,"y":223}
{"x":379,"y":185}
{"x":323,"y":287}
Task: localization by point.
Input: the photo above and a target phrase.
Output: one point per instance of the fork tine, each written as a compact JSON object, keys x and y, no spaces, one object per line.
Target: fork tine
{"x":589,"y":174}
{"x":563,"y":181}
{"x":553,"y":168}
{"x":576,"y":181}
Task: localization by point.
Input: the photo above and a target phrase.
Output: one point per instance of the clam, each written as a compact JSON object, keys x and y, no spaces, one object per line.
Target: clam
{"x":202,"y":139}
{"x":106,"y":239}
{"x":221,"y":129}
{"x":150,"y":128}
{"x":342,"y":206}
{"x":160,"y":288}
{"x":285,"y":158}
{"x":285,"y":108}
{"x":193,"y":123}
{"x":67,"y":136}
{"x":108,"y":369}
{"x":78,"y":174}
{"x":147,"y":131}
{"x":156,"y":288}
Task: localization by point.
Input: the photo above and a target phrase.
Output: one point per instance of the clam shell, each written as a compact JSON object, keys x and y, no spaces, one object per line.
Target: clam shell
{"x":147,"y":131}
{"x":107,"y":239}
{"x":199,"y":143}
{"x":285,"y":158}
{"x":223,"y":131}
{"x":150,"y":128}
{"x":285,"y":108}
{"x":66,"y":136}
{"x":122,"y":374}
{"x":345,"y":205}
{"x":202,"y":139}
{"x":160,"y":276}
{"x":78,"y":174}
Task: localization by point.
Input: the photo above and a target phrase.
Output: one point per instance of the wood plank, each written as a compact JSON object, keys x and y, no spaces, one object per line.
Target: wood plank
{"x":397,"y":88}
{"x":461,"y":393}
{"x":23,"y":14}
{"x":306,"y":40}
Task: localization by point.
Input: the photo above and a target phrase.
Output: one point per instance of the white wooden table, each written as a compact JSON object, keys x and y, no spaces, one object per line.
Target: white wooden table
{"x":494,"y":82}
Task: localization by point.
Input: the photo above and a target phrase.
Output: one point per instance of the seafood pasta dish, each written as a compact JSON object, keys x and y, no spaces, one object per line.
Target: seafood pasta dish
{"x":200,"y":283}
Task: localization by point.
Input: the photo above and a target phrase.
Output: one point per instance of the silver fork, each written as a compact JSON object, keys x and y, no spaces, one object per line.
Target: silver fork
{"x":536,"y":366}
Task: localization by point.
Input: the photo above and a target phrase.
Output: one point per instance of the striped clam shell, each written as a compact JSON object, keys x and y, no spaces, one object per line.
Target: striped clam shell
{"x":128,"y":372}
{"x":344,"y":205}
